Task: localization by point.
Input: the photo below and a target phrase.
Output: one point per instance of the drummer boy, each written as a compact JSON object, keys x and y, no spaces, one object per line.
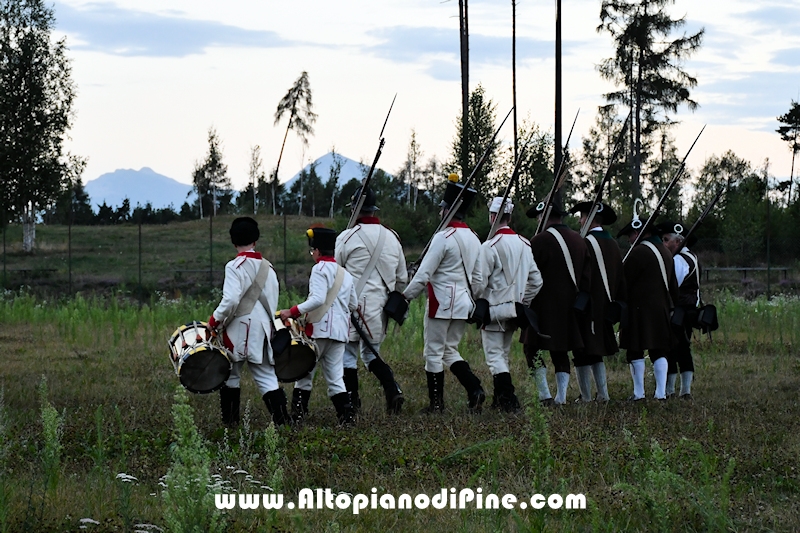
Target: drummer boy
{"x":331,"y":299}
{"x":246,"y":332}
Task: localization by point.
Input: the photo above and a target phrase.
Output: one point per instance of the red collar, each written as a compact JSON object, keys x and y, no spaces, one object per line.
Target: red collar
{"x":457,"y":224}
{"x":251,"y":255}
{"x":326,"y":258}
{"x":368,"y":220}
{"x":505,"y":231}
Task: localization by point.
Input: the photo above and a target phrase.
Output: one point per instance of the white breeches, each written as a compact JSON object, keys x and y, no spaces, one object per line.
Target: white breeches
{"x":263,"y":375}
{"x":331,"y":360}
{"x":497,"y":346}
{"x":441,"y":342}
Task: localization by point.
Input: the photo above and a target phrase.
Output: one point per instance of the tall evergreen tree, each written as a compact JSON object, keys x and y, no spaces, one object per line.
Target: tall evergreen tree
{"x":35,"y":112}
{"x":647,"y":66}
{"x":297,"y":103}
{"x":790,"y":132}
{"x":480,"y":129}
{"x":210,"y":179}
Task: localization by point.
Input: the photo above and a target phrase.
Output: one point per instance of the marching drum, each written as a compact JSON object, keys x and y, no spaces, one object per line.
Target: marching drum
{"x":199,"y":358}
{"x":299,"y":357}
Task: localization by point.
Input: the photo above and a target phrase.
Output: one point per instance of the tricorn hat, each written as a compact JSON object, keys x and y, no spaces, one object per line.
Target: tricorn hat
{"x":668,"y":226}
{"x":452,"y":191}
{"x":322,"y":238}
{"x":369,"y":200}
{"x":605,"y":213}
{"x":244,"y":230}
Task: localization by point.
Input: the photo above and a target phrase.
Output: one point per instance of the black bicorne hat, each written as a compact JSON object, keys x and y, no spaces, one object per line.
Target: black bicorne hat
{"x":244,"y":230}
{"x":369,"y":200}
{"x":606,"y":214}
{"x":452,"y":191}
{"x":668,"y":226}
{"x":322,"y":238}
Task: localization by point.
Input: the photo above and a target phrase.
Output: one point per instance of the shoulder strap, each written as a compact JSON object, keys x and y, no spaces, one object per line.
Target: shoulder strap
{"x":463,"y":264}
{"x":660,"y":262}
{"x":696,"y":272}
{"x":253,"y":293}
{"x":598,"y":252}
{"x":317,"y":314}
{"x":373,"y":260}
{"x":567,"y":256}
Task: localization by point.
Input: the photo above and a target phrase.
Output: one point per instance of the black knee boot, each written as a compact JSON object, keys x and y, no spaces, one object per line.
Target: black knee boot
{"x":435,"y":392}
{"x":351,"y":384}
{"x":504,"y":393}
{"x":229,"y":405}
{"x":300,"y":404}
{"x":471,"y":383}
{"x":275,"y":400}
{"x":344,"y":409}
{"x":394,"y":396}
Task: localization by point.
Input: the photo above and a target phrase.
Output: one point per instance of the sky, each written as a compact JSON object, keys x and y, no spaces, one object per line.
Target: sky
{"x":153,"y":76}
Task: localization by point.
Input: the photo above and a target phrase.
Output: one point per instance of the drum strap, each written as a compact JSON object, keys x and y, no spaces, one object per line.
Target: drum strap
{"x":317,"y":314}
{"x":255,"y":293}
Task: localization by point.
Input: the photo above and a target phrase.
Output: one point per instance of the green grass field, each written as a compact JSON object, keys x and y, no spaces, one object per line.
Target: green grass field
{"x":725,"y":462}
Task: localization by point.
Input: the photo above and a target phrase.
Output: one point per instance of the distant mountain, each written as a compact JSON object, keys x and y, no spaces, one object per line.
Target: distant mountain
{"x":139,"y":186}
{"x":350,"y":169}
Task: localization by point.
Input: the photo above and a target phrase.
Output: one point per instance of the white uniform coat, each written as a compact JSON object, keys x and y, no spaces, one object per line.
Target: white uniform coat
{"x":335,"y":324}
{"x":247,"y":334}
{"x":354,"y":249}
{"x":508,"y":252}
{"x":444,"y":271}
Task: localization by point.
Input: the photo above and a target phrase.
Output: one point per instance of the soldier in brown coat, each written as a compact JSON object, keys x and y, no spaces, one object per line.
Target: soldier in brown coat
{"x":558,"y":305}
{"x":652,"y":291}
{"x":608,"y":290}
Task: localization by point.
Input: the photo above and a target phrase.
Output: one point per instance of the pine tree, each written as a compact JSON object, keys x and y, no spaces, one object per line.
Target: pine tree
{"x":647,"y":65}
{"x":790,"y":133}
{"x":210,"y":179}
{"x":296,"y":102}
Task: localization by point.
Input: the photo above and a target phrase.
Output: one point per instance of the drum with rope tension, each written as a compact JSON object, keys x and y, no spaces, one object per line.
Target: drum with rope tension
{"x":200,"y":360}
{"x":300,"y":355}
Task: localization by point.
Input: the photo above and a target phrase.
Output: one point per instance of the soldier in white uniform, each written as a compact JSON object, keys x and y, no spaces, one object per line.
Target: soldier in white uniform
{"x":329,"y":326}
{"x":511,"y":277}
{"x":450,"y":271}
{"x":373,"y":254}
{"x":246,"y":335}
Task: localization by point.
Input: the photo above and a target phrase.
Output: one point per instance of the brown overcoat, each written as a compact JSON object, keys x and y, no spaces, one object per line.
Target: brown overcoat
{"x":649,"y":302}
{"x":554,"y":303}
{"x":599,"y":337}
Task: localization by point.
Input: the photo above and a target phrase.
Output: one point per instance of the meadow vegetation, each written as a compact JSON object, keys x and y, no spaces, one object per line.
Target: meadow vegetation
{"x":94,"y":436}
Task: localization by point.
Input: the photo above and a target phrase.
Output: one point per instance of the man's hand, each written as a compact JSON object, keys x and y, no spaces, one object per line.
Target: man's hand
{"x":285,"y":314}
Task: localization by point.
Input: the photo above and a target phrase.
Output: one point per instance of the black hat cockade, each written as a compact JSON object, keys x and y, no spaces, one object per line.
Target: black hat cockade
{"x":369,"y":200}
{"x":605,"y":213}
{"x":668,"y":226}
{"x":452,"y":191}
{"x":244,"y":231}
{"x":636,"y":223}
{"x":538,"y":209}
{"x":322,"y":238}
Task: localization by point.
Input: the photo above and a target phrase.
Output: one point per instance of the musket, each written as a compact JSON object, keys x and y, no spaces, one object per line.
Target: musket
{"x":355,"y":320}
{"x":359,"y":202}
{"x":514,"y":174}
{"x":663,"y":198}
{"x":705,"y":213}
{"x":558,"y":181}
{"x":453,"y":209}
{"x":598,"y":194}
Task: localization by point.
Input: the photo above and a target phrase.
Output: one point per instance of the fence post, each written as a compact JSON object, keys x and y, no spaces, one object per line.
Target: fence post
{"x":285,"y":278}
{"x":69,"y":236}
{"x":141,"y":292}
{"x":766,"y":179}
{"x":211,"y":250}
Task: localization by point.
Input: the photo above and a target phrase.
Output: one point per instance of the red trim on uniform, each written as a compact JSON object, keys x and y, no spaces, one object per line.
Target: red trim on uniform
{"x":433,"y":303}
{"x":457,"y":224}
{"x":212,"y":322}
{"x":326,"y":258}
{"x":294,"y":311}
{"x":368,"y":220}
{"x":505,"y":231}
{"x":227,"y":341}
{"x":251,"y":255}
